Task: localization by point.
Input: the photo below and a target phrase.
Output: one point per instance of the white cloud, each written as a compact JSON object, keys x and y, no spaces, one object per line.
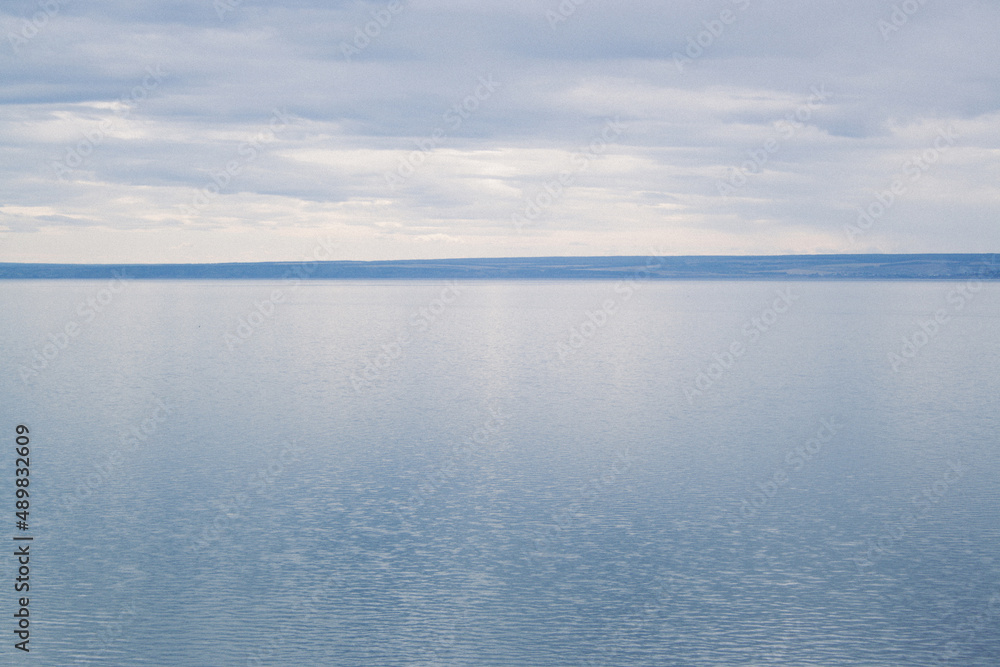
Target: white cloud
{"x":357,"y":119}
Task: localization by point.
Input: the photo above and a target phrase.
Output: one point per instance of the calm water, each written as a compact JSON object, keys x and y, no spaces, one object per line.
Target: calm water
{"x":364,"y":474}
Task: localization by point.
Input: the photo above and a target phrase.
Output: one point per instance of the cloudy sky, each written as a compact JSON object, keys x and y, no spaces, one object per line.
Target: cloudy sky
{"x":197,"y":131}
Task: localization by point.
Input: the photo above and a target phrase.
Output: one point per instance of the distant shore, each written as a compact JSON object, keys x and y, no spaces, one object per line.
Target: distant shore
{"x":696,"y":267}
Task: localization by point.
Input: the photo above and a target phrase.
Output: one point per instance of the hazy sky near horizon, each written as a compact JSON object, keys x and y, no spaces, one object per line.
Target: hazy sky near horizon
{"x":197,"y":131}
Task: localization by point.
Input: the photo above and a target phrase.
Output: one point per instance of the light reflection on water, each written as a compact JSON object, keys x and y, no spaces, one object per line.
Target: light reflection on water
{"x":325,"y":494}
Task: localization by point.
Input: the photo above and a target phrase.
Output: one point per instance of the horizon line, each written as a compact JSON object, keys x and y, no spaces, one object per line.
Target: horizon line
{"x":518,"y":257}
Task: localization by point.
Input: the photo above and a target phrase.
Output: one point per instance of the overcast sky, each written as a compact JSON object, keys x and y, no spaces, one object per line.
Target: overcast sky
{"x":187,"y":131}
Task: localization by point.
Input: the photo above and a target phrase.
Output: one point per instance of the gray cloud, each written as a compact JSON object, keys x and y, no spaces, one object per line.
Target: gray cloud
{"x":393,"y":145}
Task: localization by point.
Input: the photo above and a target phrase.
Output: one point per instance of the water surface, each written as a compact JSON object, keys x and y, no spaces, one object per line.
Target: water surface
{"x":509,"y":473}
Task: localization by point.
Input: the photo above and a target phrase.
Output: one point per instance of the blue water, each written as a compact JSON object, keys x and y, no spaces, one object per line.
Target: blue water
{"x":590,"y":473}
